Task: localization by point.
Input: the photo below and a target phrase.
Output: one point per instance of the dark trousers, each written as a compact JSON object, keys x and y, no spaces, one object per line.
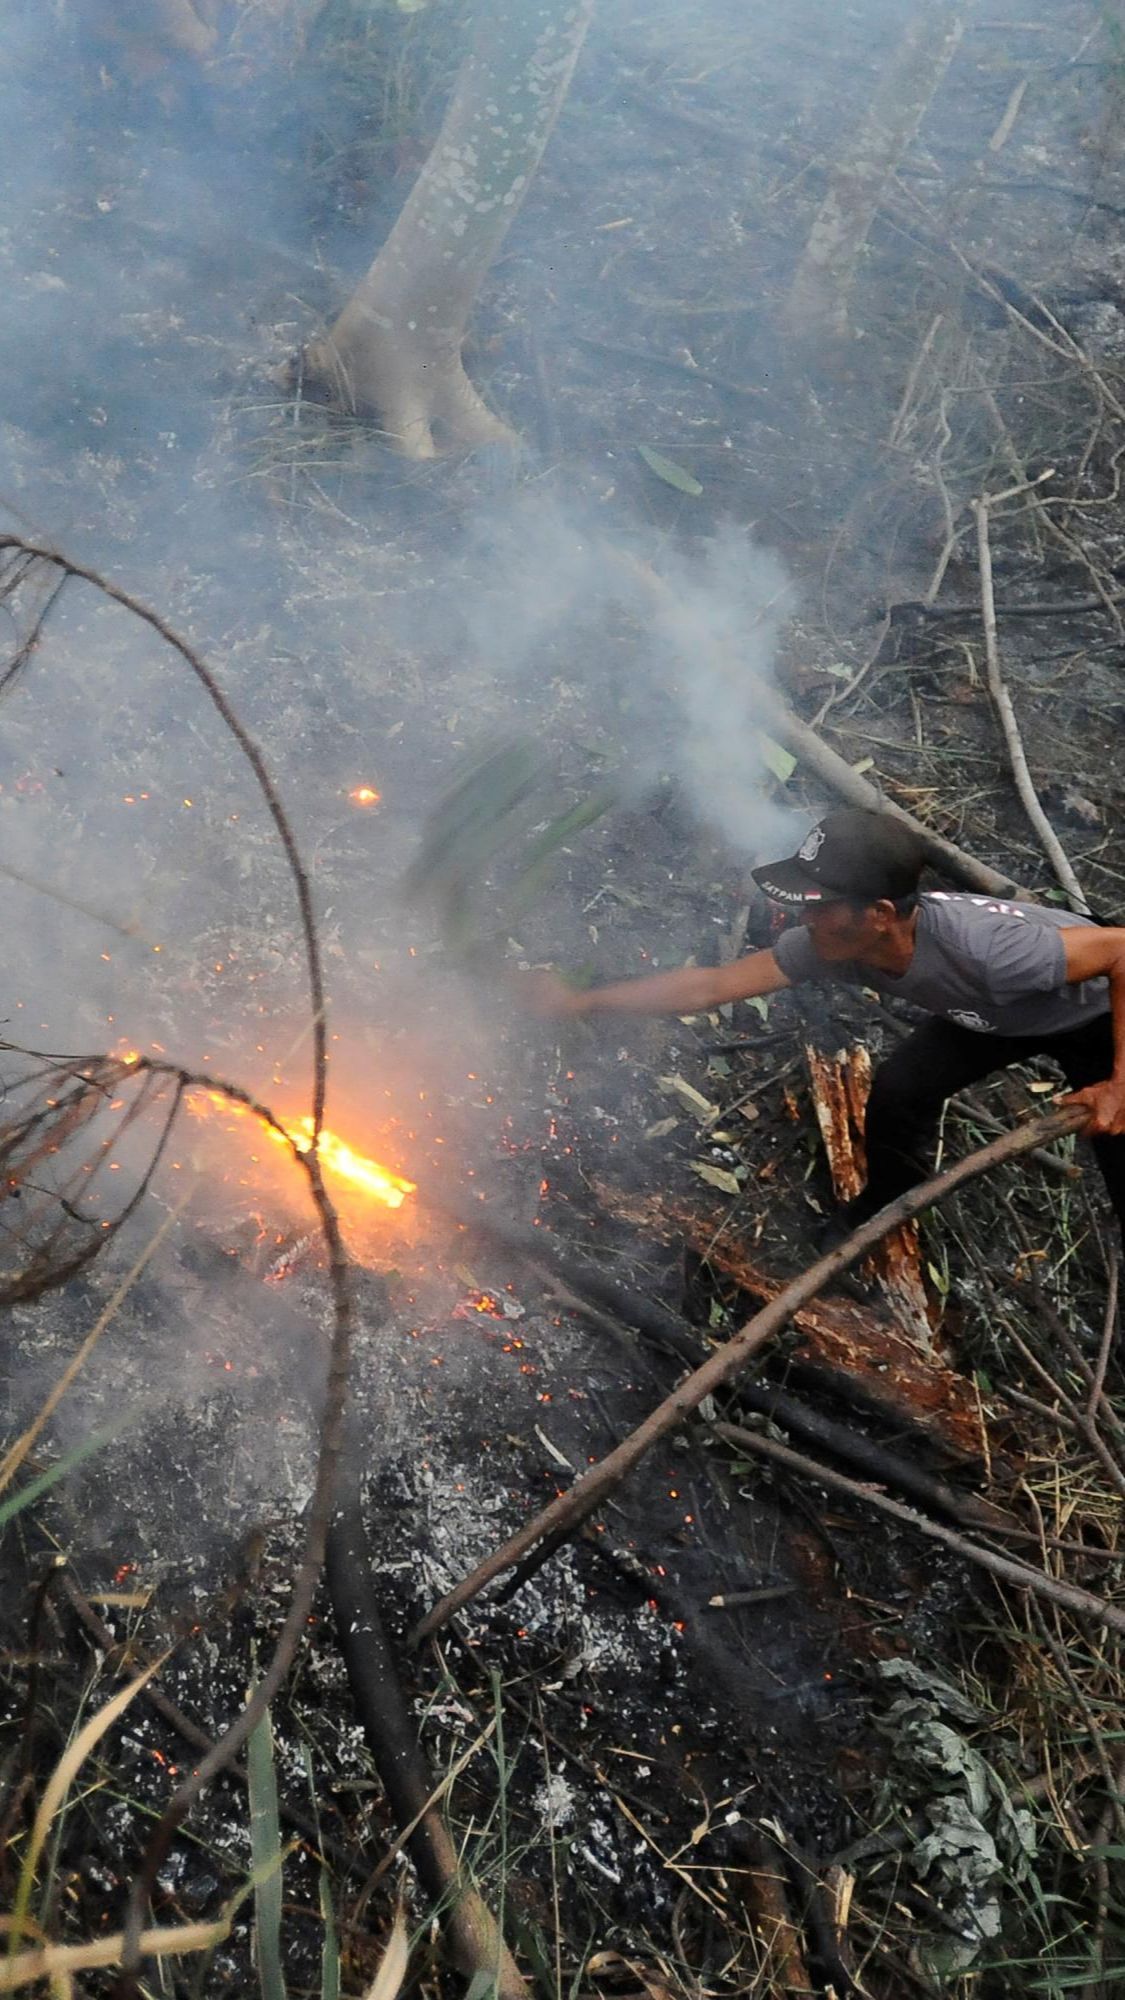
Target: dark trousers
{"x":941,"y":1058}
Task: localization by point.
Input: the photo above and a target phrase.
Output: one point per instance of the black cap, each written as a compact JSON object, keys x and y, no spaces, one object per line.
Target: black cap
{"x":867,"y":856}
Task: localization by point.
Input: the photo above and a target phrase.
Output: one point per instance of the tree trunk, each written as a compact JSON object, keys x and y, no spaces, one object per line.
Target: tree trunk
{"x":394,"y":353}
{"x":817,"y":307}
{"x":152,"y":30}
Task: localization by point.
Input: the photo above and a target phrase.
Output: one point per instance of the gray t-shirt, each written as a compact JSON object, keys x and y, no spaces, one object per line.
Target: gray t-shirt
{"x":994,"y":966}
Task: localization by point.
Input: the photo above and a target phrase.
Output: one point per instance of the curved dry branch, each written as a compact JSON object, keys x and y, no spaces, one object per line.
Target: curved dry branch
{"x":18,"y":546}
{"x":89,"y":1088}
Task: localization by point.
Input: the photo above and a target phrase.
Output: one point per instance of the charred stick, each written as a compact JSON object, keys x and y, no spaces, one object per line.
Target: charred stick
{"x":824,"y":1915}
{"x":663,"y":1328}
{"x":392,"y":1737}
{"x":1023,"y":1576}
{"x":575,"y":1506}
{"x":1058,"y":607}
{"x":734,"y":1600}
{"x":874,"y":1460}
{"x":310,"y":1562}
{"x":764,"y":1885}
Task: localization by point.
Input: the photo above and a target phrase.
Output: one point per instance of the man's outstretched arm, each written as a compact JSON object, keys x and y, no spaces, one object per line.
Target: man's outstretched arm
{"x":690,"y":989}
{"x":1089,"y":954}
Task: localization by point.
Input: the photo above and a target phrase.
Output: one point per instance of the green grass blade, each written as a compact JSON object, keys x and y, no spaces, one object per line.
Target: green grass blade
{"x":35,"y":1490}
{"x":671,"y":473}
{"x":330,"y":1950}
{"x":266,"y":1856}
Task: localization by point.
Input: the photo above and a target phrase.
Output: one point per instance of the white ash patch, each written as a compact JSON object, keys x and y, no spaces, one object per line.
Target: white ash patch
{"x":462,"y":1519}
{"x":555,"y":1802}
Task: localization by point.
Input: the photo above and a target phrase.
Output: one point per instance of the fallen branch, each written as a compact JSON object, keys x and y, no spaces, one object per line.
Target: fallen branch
{"x":570,"y":1509}
{"x":1022,"y":1575}
{"x":825,"y":763}
{"x":1006,"y":714}
{"x":876,"y":1461}
{"x":852,"y":1350}
{"x":907,"y":608}
{"x":629,"y":1309}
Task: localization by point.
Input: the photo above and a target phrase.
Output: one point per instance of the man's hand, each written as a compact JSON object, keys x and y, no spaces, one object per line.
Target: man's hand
{"x":1105,"y":1103}
{"x":548,"y":996}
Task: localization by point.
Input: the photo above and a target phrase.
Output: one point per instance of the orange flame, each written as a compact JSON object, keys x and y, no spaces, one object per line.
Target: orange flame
{"x":364,"y":795}
{"x":336,"y":1156}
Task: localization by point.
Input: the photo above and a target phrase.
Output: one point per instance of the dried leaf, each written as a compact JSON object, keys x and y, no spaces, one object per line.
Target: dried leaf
{"x":661,"y":1128}
{"x":671,"y":473}
{"x":777,"y":759}
{"x":717,"y":1177}
{"x":692,"y":1099}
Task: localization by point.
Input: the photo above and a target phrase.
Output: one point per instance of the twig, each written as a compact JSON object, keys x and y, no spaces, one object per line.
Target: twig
{"x":131,"y":931}
{"x":190,"y":1731}
{"x":38,"y":552}
{"x":1002,"y":702}
{"x":14,"y":1457}
{"x":916,"y":367}
{"x":1059,"y":1655}
{"x":570,"y":1509}
{"x":311,"y":1559}
{"x":1108,"y":1331}
{"x":1022,"y":1575}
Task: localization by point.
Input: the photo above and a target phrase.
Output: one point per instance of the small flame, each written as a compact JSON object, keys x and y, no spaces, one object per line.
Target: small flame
{"x":336,"y":1156}
{"x":339,"y":1158}
{"x":364,"y":795}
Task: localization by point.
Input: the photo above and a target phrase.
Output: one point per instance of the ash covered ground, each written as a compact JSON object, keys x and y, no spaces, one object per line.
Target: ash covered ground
{"x":374,"y":622}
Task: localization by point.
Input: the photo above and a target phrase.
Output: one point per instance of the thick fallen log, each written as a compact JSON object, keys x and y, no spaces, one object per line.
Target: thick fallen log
{"x":874,"y":1461}
{"x":632,"y":1310}
{"x":853,"y":1350}
{"x":566,"y":1514}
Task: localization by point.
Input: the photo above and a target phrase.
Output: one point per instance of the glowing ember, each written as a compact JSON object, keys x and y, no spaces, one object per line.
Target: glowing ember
{"x":336,"y":1156}
{"x":364,"y":795}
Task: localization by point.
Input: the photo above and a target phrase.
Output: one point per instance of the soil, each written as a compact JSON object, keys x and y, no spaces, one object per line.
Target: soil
{"x":167,"y":243}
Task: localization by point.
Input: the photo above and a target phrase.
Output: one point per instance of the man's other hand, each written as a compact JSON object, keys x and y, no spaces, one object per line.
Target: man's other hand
{"x":549,"y":997}
{"x":1105,"y":1103}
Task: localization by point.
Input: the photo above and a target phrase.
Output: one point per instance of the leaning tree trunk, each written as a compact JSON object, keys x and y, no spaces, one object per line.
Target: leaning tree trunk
{"x":394,"y":354}
{"x":817,"y":307}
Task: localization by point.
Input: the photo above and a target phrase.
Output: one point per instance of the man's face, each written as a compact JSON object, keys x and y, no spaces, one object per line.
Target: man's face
{"x":840,"y":931}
